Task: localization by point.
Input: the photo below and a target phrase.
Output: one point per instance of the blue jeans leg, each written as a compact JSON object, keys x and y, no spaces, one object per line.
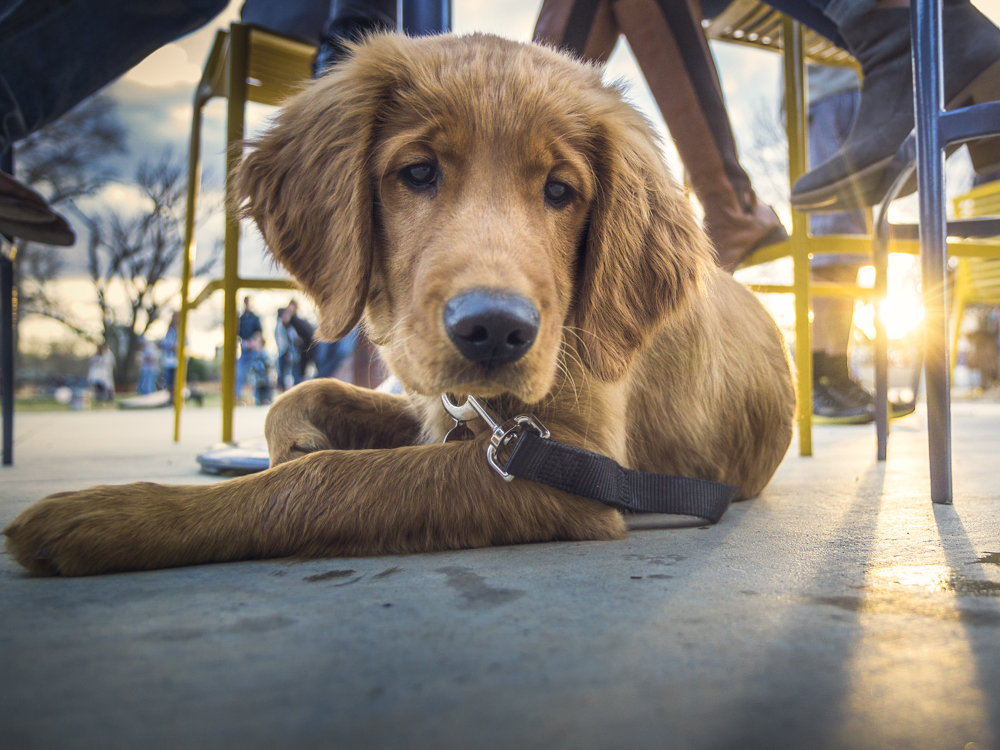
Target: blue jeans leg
{"x":55,"y":53}
{"x":811,"y":13}
{"x":242,"y":367}
{"x":330,"y":356}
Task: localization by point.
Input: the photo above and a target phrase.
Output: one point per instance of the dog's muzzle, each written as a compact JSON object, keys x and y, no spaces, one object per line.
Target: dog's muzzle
{"x":491,"y":328}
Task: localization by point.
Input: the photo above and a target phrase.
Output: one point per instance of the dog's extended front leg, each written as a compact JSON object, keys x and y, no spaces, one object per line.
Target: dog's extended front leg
{"x":327,"y":414}
{"x":330,"y":503}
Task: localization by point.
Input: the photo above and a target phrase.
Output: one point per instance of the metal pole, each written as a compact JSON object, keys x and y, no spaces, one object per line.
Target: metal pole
{"x":421,"y":17}
{"x":928,"y":98}
{"x":7,"y":331}
{"x":194,"y":180}
{"x":880,"y":259}
{"x":239,"y":50}
{"x":795,"y":125}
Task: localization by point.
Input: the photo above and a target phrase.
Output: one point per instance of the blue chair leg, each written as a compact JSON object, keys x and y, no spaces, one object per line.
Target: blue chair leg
{"x":422,"y":17}
{"x":7,"y":336}
{"x":928,"y":96}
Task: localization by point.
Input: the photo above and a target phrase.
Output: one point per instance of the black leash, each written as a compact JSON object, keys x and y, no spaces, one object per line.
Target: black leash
{"x":535,"y":457}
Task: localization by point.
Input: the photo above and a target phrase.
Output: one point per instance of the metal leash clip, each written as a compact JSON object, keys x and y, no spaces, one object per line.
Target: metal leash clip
{"x":502,"y":435}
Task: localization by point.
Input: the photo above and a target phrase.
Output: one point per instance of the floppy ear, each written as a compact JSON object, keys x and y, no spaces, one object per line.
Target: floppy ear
{"x":645,"y":254}
{"x":307,"y":185}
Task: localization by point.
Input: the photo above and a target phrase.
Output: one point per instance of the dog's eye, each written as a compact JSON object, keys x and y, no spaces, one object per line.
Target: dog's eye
{"x":419,"y":176}
{"x":557,"y":193}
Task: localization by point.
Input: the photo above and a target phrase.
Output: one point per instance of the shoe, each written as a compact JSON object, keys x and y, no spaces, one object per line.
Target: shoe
{"x":861,"y":173}
{"x":828,"y":407}
{"x":25,"y":214}
{"x":736,"y":237}
{"x":851,"y":392}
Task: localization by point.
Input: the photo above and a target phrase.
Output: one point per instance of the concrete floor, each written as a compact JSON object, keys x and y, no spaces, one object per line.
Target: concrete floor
{"x":840,"y":609}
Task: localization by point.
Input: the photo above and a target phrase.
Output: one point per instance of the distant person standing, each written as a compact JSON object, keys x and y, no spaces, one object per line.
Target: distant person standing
{"x":289,"y":352}
{"x":252,"y":355}
{"x":326,"y":356}
{"x":149,"y":368}
{"x":168,"y":356}
{"x":101,"y":374}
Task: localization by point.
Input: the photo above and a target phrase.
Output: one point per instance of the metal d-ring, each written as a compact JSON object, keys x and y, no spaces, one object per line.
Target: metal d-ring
{"x":501,"y":436}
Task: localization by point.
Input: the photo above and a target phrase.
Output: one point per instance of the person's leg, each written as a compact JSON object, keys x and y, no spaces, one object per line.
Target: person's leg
{"x":878,"y":35}
{"x":833,"y":401}
{"x":43,"y":41}
{"x":169,"y":374}
{"x":7,"y":7}
{"x":242,"y":367}
{"x":351,"y":20}
{"x":586,"y":28}
{"x":262,"y":390}
{"x":144,"y":384}
{"x":330,"y":356}
{"x":667,"y":40}
{"x":282,"y":367}
{"x":812,"y":15}
{"x":830,"y":122}
{"x":302,"y":19}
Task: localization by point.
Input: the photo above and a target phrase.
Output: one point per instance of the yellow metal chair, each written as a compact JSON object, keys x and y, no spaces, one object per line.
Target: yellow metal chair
{"x":756,"y":24}
{"x":977,"y":280}
{"x":245,"y":64}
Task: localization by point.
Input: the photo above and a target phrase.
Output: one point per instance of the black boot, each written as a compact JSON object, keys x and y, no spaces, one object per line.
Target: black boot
{"x":859,"y":174}
{"x":840,"y":383}
{"x":829,"y":406}
{"x":351,"y":21}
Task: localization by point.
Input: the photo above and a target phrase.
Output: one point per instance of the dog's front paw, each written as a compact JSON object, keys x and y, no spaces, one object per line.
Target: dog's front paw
{"x":98,"y":530}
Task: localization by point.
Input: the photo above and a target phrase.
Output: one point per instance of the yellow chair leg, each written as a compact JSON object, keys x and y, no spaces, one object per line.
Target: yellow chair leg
{"x":239,"y":43}
{"x":961,"y":292}
{"x":193,"y":182}
{"x":795,"y":124}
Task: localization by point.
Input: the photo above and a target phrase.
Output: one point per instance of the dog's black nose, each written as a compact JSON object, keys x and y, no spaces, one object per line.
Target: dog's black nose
{"x":491,"y":328}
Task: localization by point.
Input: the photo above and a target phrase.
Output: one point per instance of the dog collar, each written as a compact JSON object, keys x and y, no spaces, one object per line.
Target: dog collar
{"x":522,"y":448}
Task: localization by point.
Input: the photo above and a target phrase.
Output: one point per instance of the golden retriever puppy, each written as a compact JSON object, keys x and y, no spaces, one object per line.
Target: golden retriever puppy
{"x":505,"y":226}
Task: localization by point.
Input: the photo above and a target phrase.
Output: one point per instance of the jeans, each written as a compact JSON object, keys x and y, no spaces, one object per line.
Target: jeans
{"x":56,"y":53}
{"x":289,"y":363}
{"x":830,"y":122}
{"x":169,"y":376}
{"x":147,"y":379}
{"x":329,"y":357}
{"x":825,"y":17}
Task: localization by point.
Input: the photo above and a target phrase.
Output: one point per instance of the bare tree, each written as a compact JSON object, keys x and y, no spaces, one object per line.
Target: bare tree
{"x":767,"y":159}
{"x":65,"y":162}
{"x":128,"y":253}
{"x":135,"y":253}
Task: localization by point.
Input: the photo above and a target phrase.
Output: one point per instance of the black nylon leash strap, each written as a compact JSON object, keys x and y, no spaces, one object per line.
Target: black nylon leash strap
{"x":598,"y":477}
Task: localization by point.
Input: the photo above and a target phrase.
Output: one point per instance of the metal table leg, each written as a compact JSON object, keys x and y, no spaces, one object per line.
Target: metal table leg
{"x":928,"y":98}
{"x":7,"y":335}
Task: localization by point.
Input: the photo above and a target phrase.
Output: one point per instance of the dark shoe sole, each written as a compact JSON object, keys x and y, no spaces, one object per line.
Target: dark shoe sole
{"x":866,"y":418}
{"x":775,"y":236}
{"x":901,"y":409}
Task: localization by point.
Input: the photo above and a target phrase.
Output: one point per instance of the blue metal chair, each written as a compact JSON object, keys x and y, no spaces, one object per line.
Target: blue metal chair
{"x":7,"y":331}
{"x":935,"y":129}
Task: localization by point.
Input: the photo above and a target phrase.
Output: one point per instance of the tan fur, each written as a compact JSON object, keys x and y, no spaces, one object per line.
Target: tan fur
{"x":645,"y":352}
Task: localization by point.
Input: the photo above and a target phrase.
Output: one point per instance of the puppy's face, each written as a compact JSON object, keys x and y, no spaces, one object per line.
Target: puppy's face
{"x":480,"y":224}
{"x":485,"y":204}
